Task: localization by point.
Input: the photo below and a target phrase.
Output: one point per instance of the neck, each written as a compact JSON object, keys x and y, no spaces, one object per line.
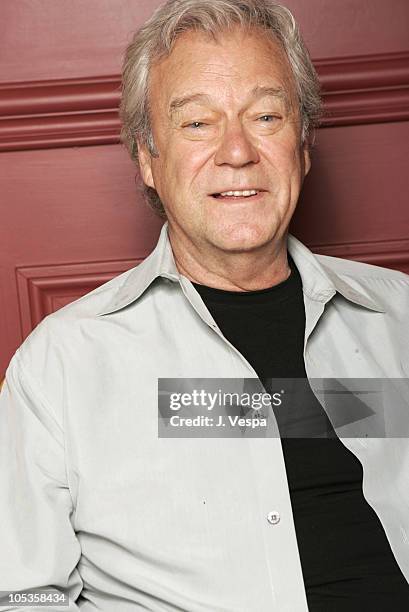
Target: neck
{"x":232,"y":271}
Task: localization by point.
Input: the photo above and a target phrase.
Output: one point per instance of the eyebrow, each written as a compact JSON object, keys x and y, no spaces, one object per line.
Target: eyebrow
{"x":259,"y":91}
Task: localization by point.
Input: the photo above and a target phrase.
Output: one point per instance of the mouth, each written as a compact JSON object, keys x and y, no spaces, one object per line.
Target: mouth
{"x":244,"y":194}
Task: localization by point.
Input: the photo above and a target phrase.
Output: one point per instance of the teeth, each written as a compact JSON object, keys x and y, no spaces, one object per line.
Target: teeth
{"x":245,"y":193}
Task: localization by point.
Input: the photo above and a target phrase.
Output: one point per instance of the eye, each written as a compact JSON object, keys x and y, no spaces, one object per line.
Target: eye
{"x":195,"y":125}
{"x":268,"y":118}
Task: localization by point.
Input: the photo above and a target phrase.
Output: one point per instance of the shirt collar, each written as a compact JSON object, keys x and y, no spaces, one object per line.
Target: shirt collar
{"x":319,"y":282}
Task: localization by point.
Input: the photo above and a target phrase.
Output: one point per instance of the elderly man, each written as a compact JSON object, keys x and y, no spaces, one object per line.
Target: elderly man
{"x":219,"y":102}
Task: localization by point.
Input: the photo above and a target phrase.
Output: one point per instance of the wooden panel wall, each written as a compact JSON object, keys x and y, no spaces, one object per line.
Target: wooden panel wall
{"x":72,"y":216}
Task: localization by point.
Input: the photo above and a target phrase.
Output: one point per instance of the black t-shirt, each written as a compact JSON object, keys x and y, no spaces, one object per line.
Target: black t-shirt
{"x":346,"y":558}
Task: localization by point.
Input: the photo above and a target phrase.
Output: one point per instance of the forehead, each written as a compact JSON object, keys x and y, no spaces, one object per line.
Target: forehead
{"x":233,"y":62}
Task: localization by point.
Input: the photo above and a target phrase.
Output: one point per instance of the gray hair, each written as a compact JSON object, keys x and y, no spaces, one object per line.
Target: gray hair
{"x":156,"y":38}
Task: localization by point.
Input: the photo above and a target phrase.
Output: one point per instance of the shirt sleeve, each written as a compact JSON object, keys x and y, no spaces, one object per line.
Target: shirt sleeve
{"x":39,"y":548}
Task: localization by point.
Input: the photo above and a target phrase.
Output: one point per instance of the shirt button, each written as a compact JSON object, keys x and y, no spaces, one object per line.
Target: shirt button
{"x":273,"y":517}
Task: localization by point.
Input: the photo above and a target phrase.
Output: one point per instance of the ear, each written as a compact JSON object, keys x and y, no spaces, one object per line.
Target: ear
{"x":307,"y":158}
{"x":145,"y":164}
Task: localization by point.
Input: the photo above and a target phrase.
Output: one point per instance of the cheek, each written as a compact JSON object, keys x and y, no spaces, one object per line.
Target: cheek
{"x":192,"y":168}
{"x":286,"y":162}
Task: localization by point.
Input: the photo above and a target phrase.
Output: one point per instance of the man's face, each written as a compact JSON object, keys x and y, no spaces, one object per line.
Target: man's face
{"x":225,"y":118}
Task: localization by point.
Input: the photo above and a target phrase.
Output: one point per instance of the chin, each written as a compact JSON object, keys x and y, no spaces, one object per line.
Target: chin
{"x":243,"y":237}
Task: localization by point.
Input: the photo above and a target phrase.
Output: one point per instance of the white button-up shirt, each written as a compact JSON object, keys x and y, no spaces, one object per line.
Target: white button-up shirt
{"x":93,"y":501}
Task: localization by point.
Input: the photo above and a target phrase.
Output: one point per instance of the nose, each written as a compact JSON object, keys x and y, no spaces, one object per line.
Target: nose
{"x":235,"y":148}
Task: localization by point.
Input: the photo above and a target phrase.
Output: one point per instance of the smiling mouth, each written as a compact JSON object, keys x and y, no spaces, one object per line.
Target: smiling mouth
{"x":236,"y":194}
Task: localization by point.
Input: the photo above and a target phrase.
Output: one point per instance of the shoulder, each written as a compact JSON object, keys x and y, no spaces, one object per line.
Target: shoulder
{"x":64,"y":327}
{"x":362,"y":271}
{"x":57,"y":347}
{"x":387,"y":288}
